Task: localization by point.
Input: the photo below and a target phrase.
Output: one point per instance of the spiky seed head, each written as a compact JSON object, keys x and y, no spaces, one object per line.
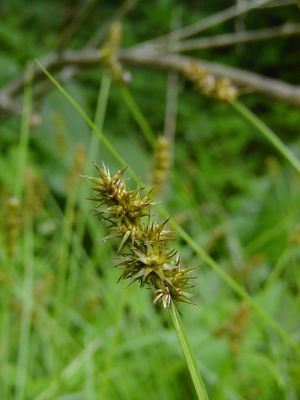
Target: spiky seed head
{"x":143,"y":253}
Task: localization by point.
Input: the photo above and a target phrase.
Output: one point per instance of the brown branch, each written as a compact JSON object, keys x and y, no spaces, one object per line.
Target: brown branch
{"x":54,"y":61}
{"x":261,"y":84}
{"x":92,"y":57}
{"x":230,"y":39}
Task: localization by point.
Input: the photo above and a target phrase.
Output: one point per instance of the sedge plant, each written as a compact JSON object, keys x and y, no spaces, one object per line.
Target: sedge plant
{"x":199,"y":251}
{"x":144,"y":253}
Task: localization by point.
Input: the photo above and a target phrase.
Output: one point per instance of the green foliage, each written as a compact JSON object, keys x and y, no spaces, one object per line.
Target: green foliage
{"x":67,"y":329}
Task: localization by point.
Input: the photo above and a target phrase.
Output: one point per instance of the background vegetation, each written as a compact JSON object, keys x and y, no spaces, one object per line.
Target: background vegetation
{"x":68,"y":330}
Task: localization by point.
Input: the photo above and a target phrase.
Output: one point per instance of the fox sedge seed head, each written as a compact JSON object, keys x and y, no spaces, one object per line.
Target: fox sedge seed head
{"x":144,"y":254}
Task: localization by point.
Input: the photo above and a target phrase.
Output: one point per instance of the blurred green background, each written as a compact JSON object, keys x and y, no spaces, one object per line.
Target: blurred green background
{"x":67,"y":329}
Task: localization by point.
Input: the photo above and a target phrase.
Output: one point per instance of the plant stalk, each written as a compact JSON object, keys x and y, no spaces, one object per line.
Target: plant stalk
{"x":190,"y":360}
{"x":268,"y":134}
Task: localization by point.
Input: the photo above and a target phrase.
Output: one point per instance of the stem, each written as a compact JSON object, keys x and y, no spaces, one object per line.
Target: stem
{"x":268,"y":133}
{"x":134,"y":109}
{"x":64,"y":251}
{"x":26,"y":319}
{"x":191,"y":363}
{"x":28,"y":278}
{"x":93,"y":151}
{"x":237,"y":288}
{"x":93,"y":126}
{"x":111,"y":347}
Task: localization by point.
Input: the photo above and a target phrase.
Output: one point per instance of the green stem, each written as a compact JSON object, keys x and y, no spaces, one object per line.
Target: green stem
{"x":278,"y":268}
{"x":268,"y":133}
{"x":93,"y":150}
{"x":93,"y":126}
{"x":235,"y":286}
{"x":134,"y":109}
{"x":28,"y":279}
{"x":110,"y":354}
{"x":191,"y":363}
{"x":64,"y":251}
{"x":26,"y":319}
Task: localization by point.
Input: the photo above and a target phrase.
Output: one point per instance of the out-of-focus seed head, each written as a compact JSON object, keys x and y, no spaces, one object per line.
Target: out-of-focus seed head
{"x":219,"y":88}
{"x":161,"y":164}
{"x":12,"y":226}
{"x":235,"y":327}
{"x":109,"y":54}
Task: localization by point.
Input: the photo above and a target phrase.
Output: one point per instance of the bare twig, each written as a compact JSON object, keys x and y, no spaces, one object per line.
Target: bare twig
{"x":202,"y":25}
{"x":92,"y":57}
{"x":230,"y":39}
